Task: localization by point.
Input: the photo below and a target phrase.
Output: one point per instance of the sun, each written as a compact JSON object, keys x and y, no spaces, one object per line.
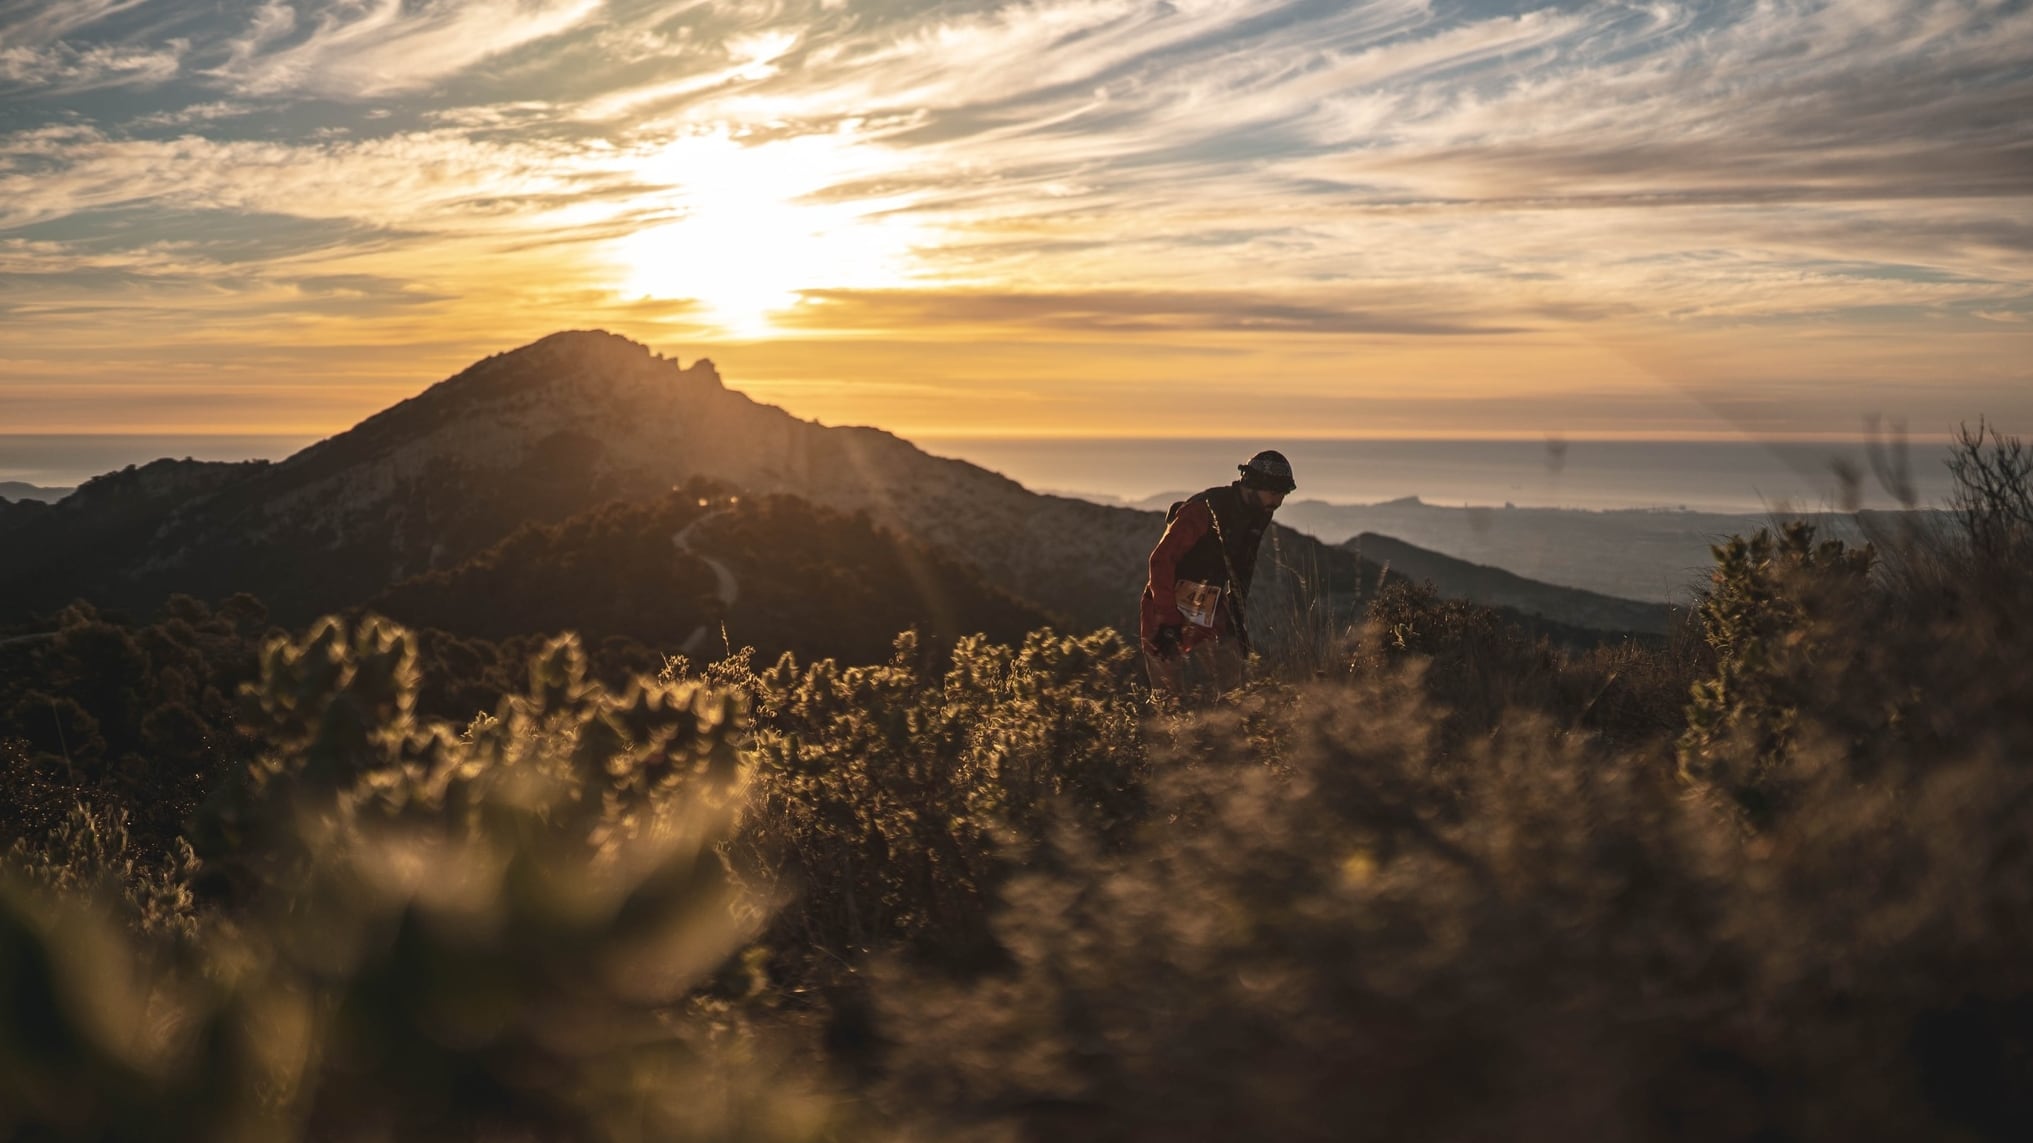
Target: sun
{"x":751,"y":234}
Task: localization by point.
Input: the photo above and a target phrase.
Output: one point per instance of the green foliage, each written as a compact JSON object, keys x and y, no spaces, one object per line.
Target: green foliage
{"x":504,"y":931}
{"x":338,"y":709}
{"x":893,"y":803}
{"x":1480,"y":667}
{"x":135,"y":721}
{"x":1768,"y":613}
{"x":1452,"y":885}
{"x":810,"y":580}
{"x":1363,"y":933}
{"x":826,"y":584}
{"x":91,"y":853}
{"x":609,"y":571}
{"x":1993,"y":499}
{"x":1367,"y":926}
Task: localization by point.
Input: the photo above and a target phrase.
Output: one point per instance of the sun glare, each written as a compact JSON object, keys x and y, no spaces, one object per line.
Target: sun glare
{"x":749,"y":237}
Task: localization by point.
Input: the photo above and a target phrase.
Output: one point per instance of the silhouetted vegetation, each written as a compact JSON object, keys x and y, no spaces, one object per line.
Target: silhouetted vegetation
{"x":1771,"y":878}
{"x":826,"y":584}
{"x":611,"y":571}
{"x":140,"y":720}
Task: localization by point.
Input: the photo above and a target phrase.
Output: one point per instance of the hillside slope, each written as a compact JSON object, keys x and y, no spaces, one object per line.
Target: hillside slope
{"x":805,"y":579}
{"x":1647,"y":554}
{"x":541,"y":433}
{"x":1495,"y":587}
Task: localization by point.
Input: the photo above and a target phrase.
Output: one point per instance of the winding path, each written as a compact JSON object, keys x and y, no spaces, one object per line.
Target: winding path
{"x":725,"y":587}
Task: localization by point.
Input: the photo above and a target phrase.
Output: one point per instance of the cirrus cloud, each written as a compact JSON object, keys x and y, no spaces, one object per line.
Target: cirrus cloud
{"x":1715,"y":177}
{"x":360,"y":50}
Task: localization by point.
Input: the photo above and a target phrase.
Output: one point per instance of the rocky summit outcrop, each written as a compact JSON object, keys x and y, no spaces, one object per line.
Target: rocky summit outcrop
{"x":574,"y":420}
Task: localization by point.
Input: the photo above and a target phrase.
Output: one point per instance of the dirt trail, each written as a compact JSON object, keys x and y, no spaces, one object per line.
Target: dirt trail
{"x":725,"y":587}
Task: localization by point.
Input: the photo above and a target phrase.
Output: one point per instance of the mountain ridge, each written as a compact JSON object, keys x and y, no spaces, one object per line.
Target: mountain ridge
{"x":553,"y":428}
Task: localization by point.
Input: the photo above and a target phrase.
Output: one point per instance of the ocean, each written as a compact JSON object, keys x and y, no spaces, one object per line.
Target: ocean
{"x":1707,"y":476}
{"x":68,"y":460}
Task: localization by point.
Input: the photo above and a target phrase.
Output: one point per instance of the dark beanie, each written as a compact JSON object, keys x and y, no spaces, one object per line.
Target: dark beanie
{"x":1268,"y":470}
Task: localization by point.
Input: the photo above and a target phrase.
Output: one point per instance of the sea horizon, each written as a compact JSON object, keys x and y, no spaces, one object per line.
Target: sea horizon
{"x":1742,"y":476}
{"x":1739,"y":476}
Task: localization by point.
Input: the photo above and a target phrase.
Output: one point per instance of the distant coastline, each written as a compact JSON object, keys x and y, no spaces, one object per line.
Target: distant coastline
{"x":1731,"y":477}
{"x":1738,"y":477}
{"x":66,"y":460}
{"x":21,"y":490}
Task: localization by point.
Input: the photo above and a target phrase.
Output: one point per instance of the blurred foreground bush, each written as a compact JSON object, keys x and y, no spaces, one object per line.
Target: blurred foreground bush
{"x":1380,"y":931}
{"x":501,"y":932}
{"x":1771,"y":881}
{"x":1441,"y":901}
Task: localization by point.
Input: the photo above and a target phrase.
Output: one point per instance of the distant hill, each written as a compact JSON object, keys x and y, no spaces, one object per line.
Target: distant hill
{"x":541,"y":434}
{"x":99,"y":541}
{"x":17,"y":513}
{"x":1495,"y":587}
{"x":17,"y":490}
{"x":1649,"y":555}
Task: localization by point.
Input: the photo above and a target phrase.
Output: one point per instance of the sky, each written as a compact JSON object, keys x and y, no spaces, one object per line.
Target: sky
{"x":1194,"y":218}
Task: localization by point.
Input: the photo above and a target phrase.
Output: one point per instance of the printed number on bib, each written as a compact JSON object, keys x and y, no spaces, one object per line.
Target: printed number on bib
{"x":1197,"y":601}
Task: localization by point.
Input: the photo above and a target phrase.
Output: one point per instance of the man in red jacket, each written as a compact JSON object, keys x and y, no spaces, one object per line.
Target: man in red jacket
{"x":1192,"y":611}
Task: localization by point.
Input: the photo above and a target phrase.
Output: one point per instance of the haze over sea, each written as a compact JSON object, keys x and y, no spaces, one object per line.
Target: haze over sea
{"x":1706,"y":476}
{"x":1710,"y":476}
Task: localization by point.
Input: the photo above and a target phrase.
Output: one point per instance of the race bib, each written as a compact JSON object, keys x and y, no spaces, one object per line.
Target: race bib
{"x":1197,"y":601}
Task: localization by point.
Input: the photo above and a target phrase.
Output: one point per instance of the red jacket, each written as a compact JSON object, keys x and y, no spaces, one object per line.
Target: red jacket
{"x":1225,"y":559}
{"x":1160,"y":605}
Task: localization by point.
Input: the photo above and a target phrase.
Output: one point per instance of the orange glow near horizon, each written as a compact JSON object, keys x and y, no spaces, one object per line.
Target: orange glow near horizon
{"x":1140,"y":386}
{"x":1049,"y":218}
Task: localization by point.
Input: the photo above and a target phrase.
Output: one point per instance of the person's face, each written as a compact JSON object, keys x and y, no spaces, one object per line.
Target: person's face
{"x":1266,"y":498}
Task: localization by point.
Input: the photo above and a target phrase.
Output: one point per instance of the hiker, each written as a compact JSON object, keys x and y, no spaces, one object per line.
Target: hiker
{"x":1192,"y":612}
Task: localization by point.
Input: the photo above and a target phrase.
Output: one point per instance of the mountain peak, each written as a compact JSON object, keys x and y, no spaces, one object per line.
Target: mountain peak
{"x":580,"y":338}
{"x":562,"y":377}
{"x":595,"y":351}
{"x":540,"y":435}
{"x":596,"y":347}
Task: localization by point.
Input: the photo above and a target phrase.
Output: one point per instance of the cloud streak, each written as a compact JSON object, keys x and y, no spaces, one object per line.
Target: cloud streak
{"x":1196,"y":173}
{"x":35,"y":23}
{"x":367,"y":48}
{"x":1126,"y":311}
{"x":62,"y":69}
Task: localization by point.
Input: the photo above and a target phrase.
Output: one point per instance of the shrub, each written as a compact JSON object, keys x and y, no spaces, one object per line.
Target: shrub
{"x":1371,"y":934}
{"x":891,"y":804}
{"x":502,"y":932}
{"x":1472,"y":886}
{"x":1773,"y":605}
{"x":128,"y":720}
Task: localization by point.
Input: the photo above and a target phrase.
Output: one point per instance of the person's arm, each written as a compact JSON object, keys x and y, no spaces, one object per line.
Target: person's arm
{"x":1238,"y":596}
{"x":1185,"y":530}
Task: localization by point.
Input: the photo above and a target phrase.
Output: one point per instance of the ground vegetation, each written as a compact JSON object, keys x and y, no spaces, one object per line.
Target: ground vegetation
{"x":1769,"y":877}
